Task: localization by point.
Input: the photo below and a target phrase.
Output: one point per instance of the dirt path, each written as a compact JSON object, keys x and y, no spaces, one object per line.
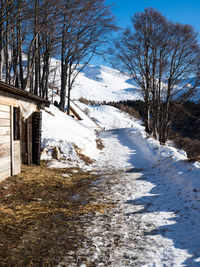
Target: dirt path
{"x":115,"y":237}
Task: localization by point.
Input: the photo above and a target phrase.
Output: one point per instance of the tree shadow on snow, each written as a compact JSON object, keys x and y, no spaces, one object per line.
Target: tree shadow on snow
{"x":167,"y":200}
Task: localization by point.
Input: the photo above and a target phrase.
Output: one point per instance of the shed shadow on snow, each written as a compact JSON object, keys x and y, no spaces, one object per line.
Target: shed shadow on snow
{"x":167,"y":199}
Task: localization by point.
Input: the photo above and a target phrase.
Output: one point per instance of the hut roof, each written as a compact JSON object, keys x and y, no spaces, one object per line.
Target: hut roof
{"x":18,"y":92}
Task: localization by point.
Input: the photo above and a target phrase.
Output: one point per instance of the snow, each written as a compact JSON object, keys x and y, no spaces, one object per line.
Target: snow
{"x":104,"y":84}
{"x":99,"y":83}
{"x":62,"y":131}
{"x":156,"y":189}
{"x":109,"y":117}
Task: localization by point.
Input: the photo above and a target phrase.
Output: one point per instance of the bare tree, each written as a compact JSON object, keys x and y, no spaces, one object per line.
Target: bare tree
{"x":163,"y":58}
{"x":85,"y":25}
{"x":32,"y":31}
{"x":39,"y":44}
{"x":9,"y":15}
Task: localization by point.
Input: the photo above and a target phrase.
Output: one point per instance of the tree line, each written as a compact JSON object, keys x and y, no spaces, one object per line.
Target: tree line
{"x":34,"y":31}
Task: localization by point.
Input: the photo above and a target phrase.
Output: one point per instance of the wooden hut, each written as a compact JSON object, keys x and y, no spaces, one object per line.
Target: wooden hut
{"x":20,"y":129}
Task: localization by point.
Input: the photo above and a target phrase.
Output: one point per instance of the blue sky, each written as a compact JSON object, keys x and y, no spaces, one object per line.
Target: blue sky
{"x":183,"y":11}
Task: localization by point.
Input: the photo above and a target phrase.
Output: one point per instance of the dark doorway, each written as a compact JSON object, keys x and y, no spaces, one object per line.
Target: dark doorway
{"x":36,"y":137}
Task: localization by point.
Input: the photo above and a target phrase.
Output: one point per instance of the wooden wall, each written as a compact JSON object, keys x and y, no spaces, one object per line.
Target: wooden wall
{"x":10,"y":152}
{"x":5,"y":141}
{"x":14,"y":151}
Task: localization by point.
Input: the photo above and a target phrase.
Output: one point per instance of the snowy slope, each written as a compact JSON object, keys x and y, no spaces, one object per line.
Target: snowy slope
{"x":163,"y":200}
{"x":99,"y":83}
{"x":102,"y":83}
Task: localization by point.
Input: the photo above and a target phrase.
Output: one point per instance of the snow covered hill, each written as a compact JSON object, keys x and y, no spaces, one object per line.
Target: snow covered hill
{"x":102,"y":83}
{"x":99,"y":83}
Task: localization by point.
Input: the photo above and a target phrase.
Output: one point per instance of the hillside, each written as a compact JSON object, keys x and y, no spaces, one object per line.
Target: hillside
{"x":101,"y":83}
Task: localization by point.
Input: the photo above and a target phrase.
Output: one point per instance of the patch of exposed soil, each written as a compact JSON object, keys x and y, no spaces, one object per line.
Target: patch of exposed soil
{"x":42,"y":213}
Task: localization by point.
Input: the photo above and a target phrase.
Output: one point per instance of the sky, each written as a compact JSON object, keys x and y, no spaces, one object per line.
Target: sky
{"x":183,"y":11}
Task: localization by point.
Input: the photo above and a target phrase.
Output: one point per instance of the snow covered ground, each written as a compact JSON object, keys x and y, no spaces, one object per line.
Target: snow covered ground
{"x":156,"y":217}
{"x":157,"y":191}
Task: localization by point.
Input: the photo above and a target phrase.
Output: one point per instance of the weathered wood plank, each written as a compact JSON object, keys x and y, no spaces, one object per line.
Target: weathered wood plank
{"x":5,"y":174}
{"x":5,"y":163}
{"x":4,"y":115}
{"x":5,"y":146}
{"x":4,"y":139}
{"x":4,"y":150}
{"x":4,"y":130}
{"x":4,"y":122}
{"x":16,"y":144}
{"x":5,"y":108}
{"x":4,"y":153}
{"x":6,"y":100}
{"x":16,"y":158}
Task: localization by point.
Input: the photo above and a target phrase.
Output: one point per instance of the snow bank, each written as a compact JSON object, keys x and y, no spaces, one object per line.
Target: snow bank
{"x":153,"y":153}
{"x":62,"y":131}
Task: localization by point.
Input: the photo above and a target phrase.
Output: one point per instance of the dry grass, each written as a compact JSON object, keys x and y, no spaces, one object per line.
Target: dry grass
{"x":190,"y":146}
{"x":83,"y":157}
{"x":39,"y":219}
{"x":99,"y":144}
